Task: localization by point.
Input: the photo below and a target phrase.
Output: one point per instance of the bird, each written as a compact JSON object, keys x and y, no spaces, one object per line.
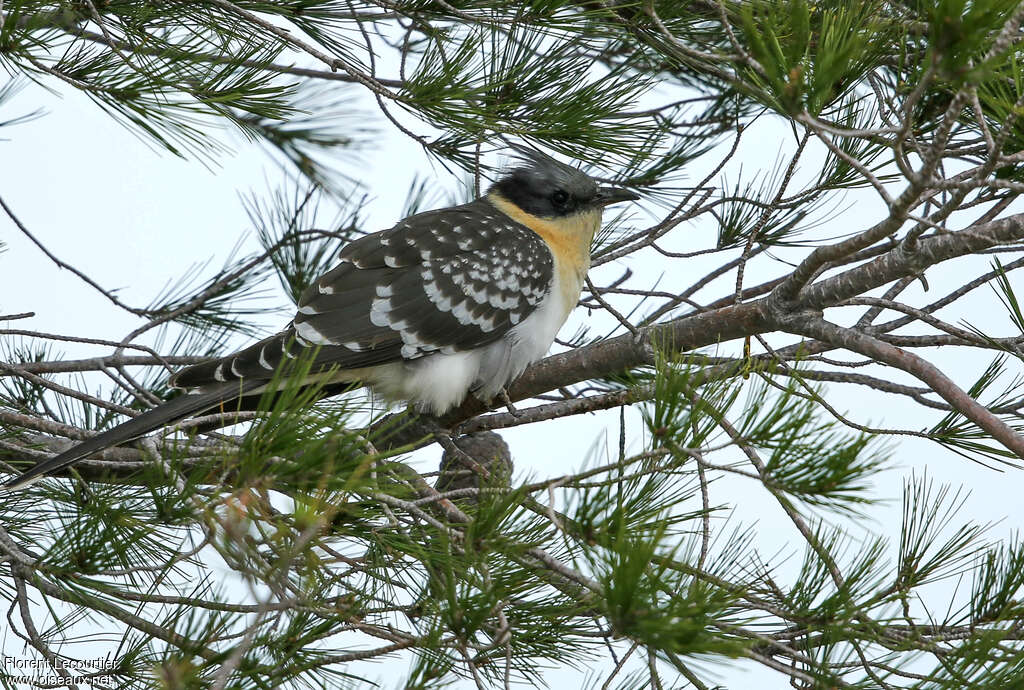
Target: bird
{"x":445,"y":303}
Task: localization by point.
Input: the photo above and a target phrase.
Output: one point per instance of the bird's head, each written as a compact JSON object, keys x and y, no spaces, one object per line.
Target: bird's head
{"x":547,"y":188}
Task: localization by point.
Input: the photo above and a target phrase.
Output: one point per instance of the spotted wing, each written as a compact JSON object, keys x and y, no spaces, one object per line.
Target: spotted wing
{"x":442,"y":281}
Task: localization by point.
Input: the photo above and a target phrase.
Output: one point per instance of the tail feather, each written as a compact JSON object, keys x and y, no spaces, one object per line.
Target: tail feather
{"x":168,"y":413}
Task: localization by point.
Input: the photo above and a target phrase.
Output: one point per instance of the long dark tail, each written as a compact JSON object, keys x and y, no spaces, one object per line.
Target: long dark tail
{"x":165,"y":414}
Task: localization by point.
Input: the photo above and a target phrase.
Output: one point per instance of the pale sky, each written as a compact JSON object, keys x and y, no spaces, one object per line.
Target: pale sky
{"x":133,"y":218}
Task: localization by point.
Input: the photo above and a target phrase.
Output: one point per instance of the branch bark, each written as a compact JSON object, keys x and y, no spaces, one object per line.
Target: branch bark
{"x":813,"y":326}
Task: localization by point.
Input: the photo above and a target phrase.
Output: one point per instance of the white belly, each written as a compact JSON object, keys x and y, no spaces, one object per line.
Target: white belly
{"x":436,"y":383}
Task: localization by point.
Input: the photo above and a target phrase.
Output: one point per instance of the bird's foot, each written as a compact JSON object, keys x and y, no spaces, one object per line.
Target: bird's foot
{"x":503,"y":396}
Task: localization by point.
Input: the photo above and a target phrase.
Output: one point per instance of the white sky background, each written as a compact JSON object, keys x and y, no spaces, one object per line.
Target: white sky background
{"x":134,"y":217}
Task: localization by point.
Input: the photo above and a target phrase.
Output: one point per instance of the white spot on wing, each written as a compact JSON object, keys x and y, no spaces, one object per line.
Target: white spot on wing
{"x":479,"y":296}
{"x":284,"y":349}
{"x":379,"y":309}
{"x":440,"y":300}
{"x":460,"y":312}
{"x":499,"y":302}
{"x":486,"y":324}
{"x":310,"y":334}
{"x":506,"y":283}
{"x":433,"y":292}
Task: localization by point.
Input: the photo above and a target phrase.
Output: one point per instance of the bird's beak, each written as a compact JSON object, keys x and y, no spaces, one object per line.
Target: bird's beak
{"x":607,"y":196}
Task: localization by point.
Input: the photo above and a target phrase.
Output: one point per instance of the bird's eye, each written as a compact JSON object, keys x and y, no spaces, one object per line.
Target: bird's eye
{"x":559,"y":196}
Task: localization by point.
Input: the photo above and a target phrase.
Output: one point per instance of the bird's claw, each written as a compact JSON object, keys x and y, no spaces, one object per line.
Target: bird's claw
{"x":503,"y":396}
